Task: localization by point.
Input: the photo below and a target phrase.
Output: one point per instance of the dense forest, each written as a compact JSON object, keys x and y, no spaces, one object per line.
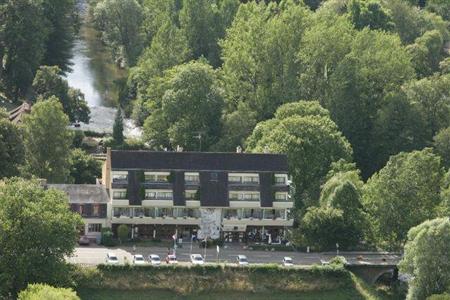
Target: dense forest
{"x":355,"y":92}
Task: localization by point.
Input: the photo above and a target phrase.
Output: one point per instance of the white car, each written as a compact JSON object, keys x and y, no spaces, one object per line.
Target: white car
{"x":138,"y":259}
{"x":197,"y":259}
{"x":171,"y":259}
{"x":154,"y":259}
{"x":242,"y":260}
{"x":287,"y":261}
{"x":112,"y":259}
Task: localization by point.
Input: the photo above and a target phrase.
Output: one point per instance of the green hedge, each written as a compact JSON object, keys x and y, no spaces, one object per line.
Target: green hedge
{"x":186,"y":279}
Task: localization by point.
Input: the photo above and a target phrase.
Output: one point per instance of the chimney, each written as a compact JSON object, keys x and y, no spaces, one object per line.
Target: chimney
{"x":106,"y":170}
{"x":238,"y":149}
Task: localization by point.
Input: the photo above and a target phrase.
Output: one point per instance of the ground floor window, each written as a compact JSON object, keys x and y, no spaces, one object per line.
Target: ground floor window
{"x":94,"y":227}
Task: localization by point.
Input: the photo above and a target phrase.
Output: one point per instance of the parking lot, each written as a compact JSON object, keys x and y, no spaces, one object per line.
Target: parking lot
{"x":93,"y":255}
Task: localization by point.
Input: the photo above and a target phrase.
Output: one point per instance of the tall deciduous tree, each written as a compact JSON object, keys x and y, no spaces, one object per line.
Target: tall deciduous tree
{"x":402,"y":195}
{"x":37,"y":232}
{"x":84,"y":169}
{"x":189,"y":109}
{"x":311,"y":141}
{"x":427,"y":259}
{"x":61,"y":16}
{"x":48,"y":82}
{"x":259,"y":56}
{"x":11,"y":149}
{"x":24,"y":33}
{"x":120,"y":22}
{"x":376,"y":65}
{"x":427,"y":52}
{"x":47,"y":141}
{"x":369,"y":13}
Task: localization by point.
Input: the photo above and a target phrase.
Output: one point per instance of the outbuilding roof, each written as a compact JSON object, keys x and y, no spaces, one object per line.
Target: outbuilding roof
{"x":83,"y":193}
{"x":198,"y":161}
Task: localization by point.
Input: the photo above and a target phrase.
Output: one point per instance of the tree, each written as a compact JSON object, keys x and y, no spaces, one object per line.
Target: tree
{"x":376,"y":66}
{"x":168,"y":48}
{"x":322,"y":228}
{"x":259,"y":56}
{"x":24,"y":34}
{"x":37,"y":232}
{"x":11,"y":149}
{"x":426,"y":258}
{"x":62,"y":25}
{"x":398,"y":126}
{"x":310,"y":141}
{"x":402,"y":195}
{"x":440,"y":7}
{"x":47,"y":141}
{"x":48,"y":82}
{"x":441,"y":145}
{"x":43,"y":291}
{"x":84,"y":169}
{"x":119,"y":22}
{"x":188,"y":112}
{"x":427,"y":52}
{"x":369,"y":13}
{"x":118,"y":128}
{"x":432,"y":97}
{"x":237,"y":127}
{"x":122,"y":232}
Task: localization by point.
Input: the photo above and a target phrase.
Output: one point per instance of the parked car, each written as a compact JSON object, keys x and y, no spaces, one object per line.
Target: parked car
{"x":138,"y":259}
{"x":197,"y":259}
{"x":242,"y":260}
{"x":171,"y":259}
{"x":112,"y":259}
{"x":154,"y":259}
{"x":84,"y":241}
{"x":287,"y":261}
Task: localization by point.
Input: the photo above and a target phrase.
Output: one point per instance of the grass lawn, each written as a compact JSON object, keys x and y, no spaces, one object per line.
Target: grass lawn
{"x":89,"y":294}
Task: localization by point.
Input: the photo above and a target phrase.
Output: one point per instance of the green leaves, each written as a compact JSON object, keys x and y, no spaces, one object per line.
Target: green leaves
{"x":427,"y":258}
{"x":37,"y":232}
{"x":311,"y":141}
{"x":47,"y":141}
{"x":402,"y":195}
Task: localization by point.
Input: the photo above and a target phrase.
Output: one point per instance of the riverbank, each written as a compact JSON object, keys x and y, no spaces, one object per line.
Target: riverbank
{"x":223,"y":282}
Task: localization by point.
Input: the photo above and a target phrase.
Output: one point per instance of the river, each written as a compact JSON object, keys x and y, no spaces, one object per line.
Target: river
{"x":94,"y":73}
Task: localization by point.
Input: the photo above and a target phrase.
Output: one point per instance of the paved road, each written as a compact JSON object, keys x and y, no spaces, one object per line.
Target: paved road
{"x":93,"y":255}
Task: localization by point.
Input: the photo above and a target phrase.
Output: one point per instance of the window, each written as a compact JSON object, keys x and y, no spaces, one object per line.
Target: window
{"x":243,"y":178}
{"x":121,"y":212}
{"x":280,"y":179}
{"x":234,"y":179}
{"x":157,"y":177}
{"x":281,"y":196}
{"x":191,"y":178}
{"x":190,"y":195}
{"x":250,"y":179}
{"x":96,"y":210}
{"x":120,"y":194}
{"x":92,"y":227}
{"x":239,"y":196}
{"x":158,"y":195}
{"x":120,"y":178}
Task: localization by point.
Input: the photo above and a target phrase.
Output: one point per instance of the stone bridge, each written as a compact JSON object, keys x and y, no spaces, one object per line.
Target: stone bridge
{"x":371,"y":273}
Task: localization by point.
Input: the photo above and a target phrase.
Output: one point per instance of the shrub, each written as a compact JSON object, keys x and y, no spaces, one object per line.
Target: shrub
{"x":122,"y":232}
{"x":107,"y":237}
{"x":43,"y":291}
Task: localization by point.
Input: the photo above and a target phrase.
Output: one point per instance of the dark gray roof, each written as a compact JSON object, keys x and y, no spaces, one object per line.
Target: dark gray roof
{"x":198,"y":161}
{"x":83,"y":193}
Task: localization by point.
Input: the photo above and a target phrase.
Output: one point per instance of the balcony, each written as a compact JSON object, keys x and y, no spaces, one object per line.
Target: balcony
{"x":156,"y":215}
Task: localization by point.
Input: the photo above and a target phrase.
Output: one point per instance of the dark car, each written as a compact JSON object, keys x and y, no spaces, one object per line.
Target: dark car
{"x":84,"y":240}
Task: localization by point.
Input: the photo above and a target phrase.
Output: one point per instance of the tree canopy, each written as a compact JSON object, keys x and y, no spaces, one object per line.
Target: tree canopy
{"x":37,"y":232}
